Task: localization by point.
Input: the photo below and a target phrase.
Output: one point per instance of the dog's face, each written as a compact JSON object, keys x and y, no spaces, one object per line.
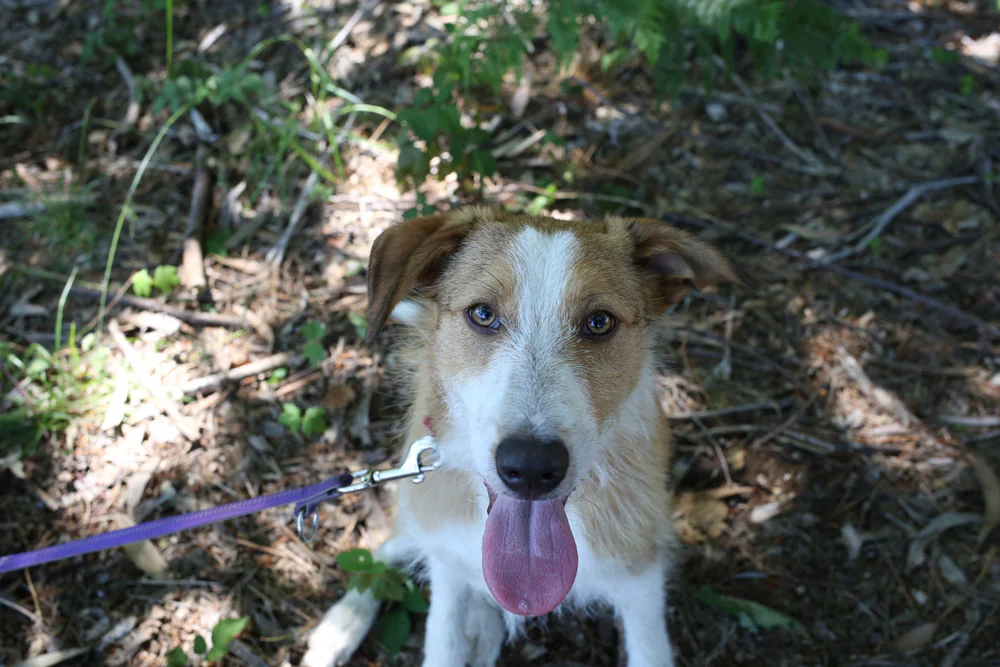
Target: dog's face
{"x":539,"y":334}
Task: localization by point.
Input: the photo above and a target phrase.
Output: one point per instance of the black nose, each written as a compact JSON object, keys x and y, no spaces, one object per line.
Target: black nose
{"x":531,"y":467}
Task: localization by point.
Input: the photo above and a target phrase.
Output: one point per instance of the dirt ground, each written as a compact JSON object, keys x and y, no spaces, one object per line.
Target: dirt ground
{"x":835,"y":420}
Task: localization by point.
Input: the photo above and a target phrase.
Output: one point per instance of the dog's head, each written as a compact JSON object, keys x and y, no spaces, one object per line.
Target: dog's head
{"x":539,"y":333}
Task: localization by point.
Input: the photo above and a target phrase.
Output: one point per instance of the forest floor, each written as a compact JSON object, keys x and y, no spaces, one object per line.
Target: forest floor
{"x":836,"y":422}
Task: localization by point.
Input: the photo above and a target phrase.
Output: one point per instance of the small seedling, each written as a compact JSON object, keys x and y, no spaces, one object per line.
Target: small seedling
{"x":164,"y":280}
{"x":223,"y":634}
{"x":390,"y":585}
{"x":313,"y":350}
{"x":312,"y":422}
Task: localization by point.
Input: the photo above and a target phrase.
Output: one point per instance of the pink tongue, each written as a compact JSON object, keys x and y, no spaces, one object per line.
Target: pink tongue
{"x":529,"y":555}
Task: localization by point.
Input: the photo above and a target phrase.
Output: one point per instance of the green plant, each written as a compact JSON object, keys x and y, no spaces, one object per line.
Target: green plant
{"x":223,"y":634}
{"x":487,"y":40}
{"x":313,"y":350}
{"x":42,"y":392}
{"x":388,"y":584}
{"x":195,"y":85}
{"x":119,"y":31}
{"x":753,"y":616}
{"x":32,"y":92}
{"x":311,"y":422}
{"x":164,"y":279}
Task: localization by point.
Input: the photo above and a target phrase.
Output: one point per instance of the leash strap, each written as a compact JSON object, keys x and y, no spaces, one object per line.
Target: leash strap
{"x":307,"y":498}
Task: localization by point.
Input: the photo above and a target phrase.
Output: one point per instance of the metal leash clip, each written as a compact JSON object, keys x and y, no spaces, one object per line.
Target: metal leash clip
{"x":412,"y":466}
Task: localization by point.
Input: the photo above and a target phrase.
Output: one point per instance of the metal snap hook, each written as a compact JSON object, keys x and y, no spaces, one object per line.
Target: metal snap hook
{"x":299,"y":520}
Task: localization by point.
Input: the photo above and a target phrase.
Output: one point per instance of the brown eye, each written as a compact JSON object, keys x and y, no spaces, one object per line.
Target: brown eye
{"x":600,"y":323}
{"x":482,"y":316}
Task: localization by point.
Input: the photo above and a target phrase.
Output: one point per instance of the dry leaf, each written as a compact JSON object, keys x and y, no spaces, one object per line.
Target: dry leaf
{"x":702,"y":516}
{"x":144,"y":554}
{"x":915,"y":555}
{"x":918,"y":637}
{"x":951,"y":572}
{"x":764,"y":513}
{"x":853,"y":541}
{"x":991,"y":494}
{"x":116,"y":405}
{"x":339,"y":397}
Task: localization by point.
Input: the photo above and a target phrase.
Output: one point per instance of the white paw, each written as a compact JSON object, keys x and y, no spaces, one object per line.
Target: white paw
{"x":343,"y":628}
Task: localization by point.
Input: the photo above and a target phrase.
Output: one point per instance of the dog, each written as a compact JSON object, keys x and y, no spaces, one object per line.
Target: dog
{"x":531,"y":357}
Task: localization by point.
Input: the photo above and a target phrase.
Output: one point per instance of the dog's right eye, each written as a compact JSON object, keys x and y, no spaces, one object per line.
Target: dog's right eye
{"x":482,"y":316}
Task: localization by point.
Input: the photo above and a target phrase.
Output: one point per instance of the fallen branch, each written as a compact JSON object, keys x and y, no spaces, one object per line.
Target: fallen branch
{"x":953,"y":312}
{"x":192,"y":270}
{"x":890,"y":214}
{"x":192,"y":317}
{"x":217,"y":380}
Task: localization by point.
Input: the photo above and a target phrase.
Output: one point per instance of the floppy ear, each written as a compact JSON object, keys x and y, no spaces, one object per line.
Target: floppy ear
{"x":674,"y":261}
{"x":405,"y":256}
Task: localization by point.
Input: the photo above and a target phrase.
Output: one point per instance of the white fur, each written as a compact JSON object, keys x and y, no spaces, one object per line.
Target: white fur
{"x":408,"y":313}
{"x":528,"y":385}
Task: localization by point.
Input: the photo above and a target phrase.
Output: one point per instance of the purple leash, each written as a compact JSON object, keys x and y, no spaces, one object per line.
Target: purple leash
{"x":307,"y":499}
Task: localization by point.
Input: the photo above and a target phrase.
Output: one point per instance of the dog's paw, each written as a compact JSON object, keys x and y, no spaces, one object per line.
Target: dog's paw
{"x":340,"y":633}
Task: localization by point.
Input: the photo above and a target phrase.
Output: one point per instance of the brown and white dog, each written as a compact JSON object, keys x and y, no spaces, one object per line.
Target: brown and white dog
{"x":532,"y":355}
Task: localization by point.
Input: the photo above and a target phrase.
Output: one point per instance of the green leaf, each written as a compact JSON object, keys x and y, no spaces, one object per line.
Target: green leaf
{"x":757,"y":185}
{"x":165,"y":279}
{"x":483,"y":162}
{"x":424,"y":123}
{"x":360,"y":323}
{"x":290,"y":417}
{"x":394,"y":631}
{"x":314,"y":421}
{"x":223,"y":634}
{"x":314,"y":353}
{"x":944,"y":56}
{"x":277,"y":376}
{"x":360,"y":582}
{"x":753,"y":616}
{"x":142,"y":283}
{"x":355,"y":560}
{"x":216,"y":243}
{"x":314,"y":331}
{"x":968,"y":85}
{"x":199,"y":645}
{"x":389,"y":586}
{"x":177,"y":658}
{"x":415,"y":602}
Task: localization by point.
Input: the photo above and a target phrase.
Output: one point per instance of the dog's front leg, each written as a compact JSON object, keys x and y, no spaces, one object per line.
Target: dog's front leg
{"x":445,"y":642}
{"x":641,"y":603}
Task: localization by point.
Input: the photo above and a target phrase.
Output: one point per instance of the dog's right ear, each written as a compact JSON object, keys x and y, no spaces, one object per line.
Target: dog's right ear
{"x":406,"y":256}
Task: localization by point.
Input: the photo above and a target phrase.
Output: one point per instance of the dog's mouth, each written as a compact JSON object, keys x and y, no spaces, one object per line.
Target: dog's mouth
{"x":529,"y":554}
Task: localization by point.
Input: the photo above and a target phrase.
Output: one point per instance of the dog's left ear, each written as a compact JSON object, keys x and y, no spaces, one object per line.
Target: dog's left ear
{"x":676,"y":261}
{"x":408,"y":255}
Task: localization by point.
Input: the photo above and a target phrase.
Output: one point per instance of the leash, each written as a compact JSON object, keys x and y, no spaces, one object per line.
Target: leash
{"x":307,"y":500}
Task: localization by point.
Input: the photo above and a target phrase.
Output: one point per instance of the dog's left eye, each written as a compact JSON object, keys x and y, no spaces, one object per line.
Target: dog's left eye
{"x":600,"y":323}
